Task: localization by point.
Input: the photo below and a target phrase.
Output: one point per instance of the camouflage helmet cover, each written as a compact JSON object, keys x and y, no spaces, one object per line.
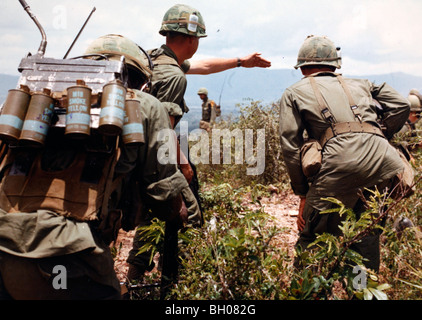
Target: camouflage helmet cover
{"x":203,"y":91}
{"x":114,"y":46}
{"x":317,"y":50}
{"x":183,"y":19}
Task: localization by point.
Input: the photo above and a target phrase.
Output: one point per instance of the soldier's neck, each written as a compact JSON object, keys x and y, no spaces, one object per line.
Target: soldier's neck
{"x":310,"y":70}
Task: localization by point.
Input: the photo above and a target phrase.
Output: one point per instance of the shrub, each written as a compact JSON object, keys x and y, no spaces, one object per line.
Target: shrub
{"x":233,"y":256}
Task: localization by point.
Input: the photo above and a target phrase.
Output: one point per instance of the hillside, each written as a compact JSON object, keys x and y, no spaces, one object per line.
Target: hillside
{"x":267,"y":85}
{"x":241,"y":85}
{"x":245,"y":250}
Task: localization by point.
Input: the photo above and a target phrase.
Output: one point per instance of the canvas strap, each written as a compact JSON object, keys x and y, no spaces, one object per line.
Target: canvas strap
{"x":342,"y":127}
{"x":347,"y":127}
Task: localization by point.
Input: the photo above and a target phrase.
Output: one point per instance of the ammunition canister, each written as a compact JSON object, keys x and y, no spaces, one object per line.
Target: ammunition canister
{"x":37,"y":120}
{"x":78,"y":118}
{"x":133,"y":129}
{"x":112,"y":108}
{"x":13,"y":114}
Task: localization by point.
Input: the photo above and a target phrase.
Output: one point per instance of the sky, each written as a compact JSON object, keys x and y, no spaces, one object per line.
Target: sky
{"x":375,"y":36}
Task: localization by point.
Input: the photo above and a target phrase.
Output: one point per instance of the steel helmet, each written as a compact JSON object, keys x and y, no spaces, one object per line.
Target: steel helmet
{"x":415,"y":103}
{"x":114,"y":46}
{"x":416,"y":93}
{"x":317,"y":50}
{"x":203,"y":91}
{"x":183,"y":19}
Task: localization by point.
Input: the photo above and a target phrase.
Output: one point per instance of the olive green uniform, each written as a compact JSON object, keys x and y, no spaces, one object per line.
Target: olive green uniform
{"x":168,"y":83}
{"x":33,"y":243}
{"x":411,"y":129}
{"x":208,"y":111}
{"x":350,"y":161}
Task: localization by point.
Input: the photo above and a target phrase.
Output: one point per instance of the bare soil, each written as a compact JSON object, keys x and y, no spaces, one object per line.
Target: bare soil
{"x":280,"y":205}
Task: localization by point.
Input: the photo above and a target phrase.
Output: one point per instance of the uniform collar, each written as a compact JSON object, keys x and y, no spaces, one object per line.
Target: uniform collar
{"x":168,"y":52}
{"x":324,"y":73}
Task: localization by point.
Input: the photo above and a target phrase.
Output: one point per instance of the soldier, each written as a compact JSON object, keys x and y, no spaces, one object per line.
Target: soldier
{"x":355,"y":153}
{"x":407,"y":139}
{"x":182,"y":26}
{"x":56,"y":222}
{"x":168,"y":84}
{"x":209,"y":110}
{"x":415,"y":113}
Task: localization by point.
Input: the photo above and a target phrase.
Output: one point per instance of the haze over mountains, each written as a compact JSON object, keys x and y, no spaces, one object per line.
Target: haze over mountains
{"x":241,"y":85}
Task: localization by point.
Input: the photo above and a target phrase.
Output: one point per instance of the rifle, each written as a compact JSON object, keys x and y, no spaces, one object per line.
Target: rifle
{"x":170,"y":269}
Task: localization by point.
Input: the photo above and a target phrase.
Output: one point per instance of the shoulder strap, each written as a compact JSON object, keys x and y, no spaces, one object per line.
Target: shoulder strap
{"x":323,"y":106}
{"x":352,"y":104}
{"x":111,"y":185}
{"x":163,"y":59}
{"x":326,"y":113}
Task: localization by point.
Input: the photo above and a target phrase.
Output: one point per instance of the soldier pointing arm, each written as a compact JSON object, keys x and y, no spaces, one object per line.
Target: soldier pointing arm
{"x":215,"y":65}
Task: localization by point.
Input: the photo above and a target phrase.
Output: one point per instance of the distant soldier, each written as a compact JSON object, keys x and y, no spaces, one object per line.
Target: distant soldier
{"x":415,"y":113}
{"x":210,"y":110}
{"x":339,"y":113}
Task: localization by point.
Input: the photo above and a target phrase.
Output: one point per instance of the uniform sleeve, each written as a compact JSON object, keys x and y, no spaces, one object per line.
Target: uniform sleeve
{"x":395,"y":107}
{"x":185,"y":66}
{"x":291,"y":136}
{"x":194,"y":211}
{"x":213,"y":111}
{"x":171,"y":92}
{"x":158,"y":179}
{"x":163,"y":182}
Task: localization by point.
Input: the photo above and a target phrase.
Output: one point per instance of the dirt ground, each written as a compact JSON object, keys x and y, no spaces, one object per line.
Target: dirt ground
{"x":282,"y":206}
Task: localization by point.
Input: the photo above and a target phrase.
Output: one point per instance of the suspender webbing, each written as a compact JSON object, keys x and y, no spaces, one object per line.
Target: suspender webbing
{"x":342,"y":127}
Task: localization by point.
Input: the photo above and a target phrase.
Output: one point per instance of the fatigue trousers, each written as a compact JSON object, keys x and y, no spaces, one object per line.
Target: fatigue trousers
{"x":141,"y":261}
{"x":317,"y":224}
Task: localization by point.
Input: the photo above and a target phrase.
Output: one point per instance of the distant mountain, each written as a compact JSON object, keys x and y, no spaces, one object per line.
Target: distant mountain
{"x":267,"y":85}
{"x":241,"y":85}
{"x":238,"y":85}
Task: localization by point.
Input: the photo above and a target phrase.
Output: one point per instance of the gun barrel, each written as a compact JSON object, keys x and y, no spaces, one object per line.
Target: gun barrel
{"x":43,"y":44}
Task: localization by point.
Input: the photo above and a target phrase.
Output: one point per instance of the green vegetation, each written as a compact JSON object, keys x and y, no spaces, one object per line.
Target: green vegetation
{"x":236,"y":254}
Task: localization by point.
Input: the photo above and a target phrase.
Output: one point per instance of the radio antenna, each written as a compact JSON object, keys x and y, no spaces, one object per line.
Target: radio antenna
{"x":79,"y":33}
{"x":43,"y":45}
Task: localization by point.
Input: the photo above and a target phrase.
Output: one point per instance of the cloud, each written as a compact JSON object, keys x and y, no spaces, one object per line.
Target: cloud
{"x":378,"y":35}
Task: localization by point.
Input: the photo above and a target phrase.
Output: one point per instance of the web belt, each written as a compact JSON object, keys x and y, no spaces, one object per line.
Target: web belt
{"x":342,"y":127}
{"x":346,"y":127}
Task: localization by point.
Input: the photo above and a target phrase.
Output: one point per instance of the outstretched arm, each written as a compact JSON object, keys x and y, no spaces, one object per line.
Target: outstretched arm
{"x":215,"y":65}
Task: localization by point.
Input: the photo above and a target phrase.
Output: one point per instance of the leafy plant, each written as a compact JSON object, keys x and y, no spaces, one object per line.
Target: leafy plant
{"x":153,"y":236}
{"x":233,"y":257}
